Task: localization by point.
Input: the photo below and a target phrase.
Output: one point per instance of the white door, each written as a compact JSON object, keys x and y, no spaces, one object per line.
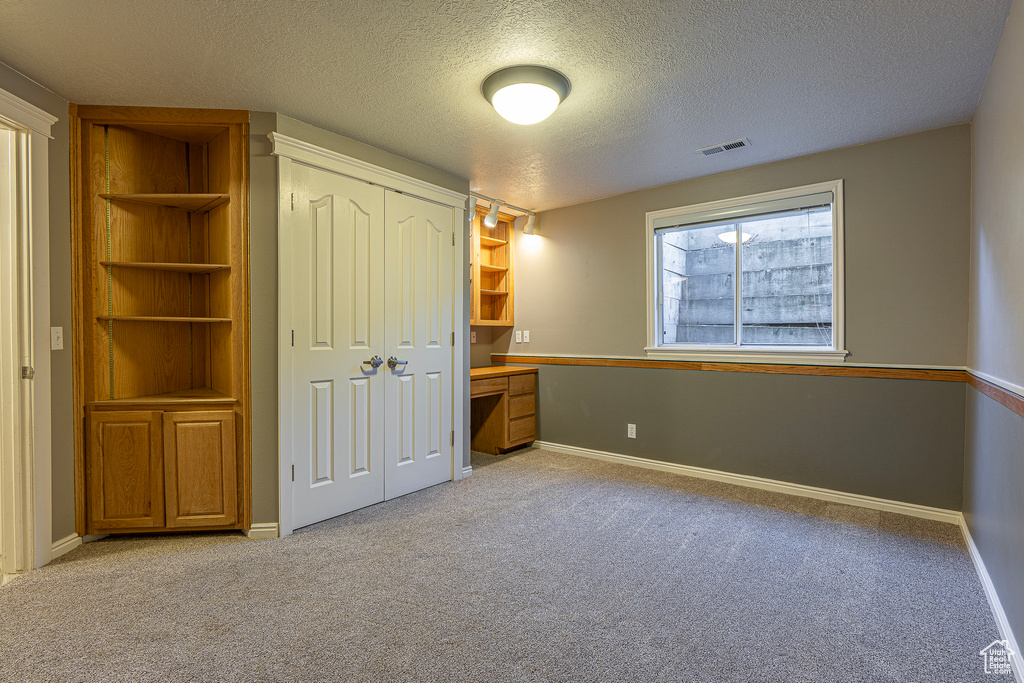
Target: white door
{"x":417,"y":332}
{"x":338,"y":401}
{"x":373,"y":281}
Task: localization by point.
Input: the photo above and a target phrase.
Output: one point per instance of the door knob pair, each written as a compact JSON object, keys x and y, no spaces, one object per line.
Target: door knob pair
{"x":377,"y":361}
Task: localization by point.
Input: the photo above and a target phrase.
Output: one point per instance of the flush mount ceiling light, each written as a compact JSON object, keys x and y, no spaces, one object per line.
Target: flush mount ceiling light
{"x":526,"y":94}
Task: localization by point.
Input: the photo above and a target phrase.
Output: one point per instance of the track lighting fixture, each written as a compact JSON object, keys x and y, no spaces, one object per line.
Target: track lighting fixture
{"x":531,"y":225}
{"x":491,"y":219}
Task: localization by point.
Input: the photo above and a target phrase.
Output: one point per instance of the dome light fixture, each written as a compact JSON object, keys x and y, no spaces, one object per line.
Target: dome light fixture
{"x":526,"y":94}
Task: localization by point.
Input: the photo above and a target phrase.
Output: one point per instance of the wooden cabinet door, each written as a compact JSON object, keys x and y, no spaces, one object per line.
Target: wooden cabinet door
{"x":123,"y":470}
{"x":199,"y":468}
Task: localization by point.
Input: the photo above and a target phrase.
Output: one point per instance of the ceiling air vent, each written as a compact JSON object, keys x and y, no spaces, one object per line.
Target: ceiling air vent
{"x":724,"y":147}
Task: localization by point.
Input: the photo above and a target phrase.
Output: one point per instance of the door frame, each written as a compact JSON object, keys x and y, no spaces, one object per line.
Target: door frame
{"x":290,"y":151}
{"x":25,"y":494}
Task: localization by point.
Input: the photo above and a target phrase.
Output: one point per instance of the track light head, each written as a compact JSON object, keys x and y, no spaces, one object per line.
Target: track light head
{"x":491,"y":219}
{"x":531,"y":225}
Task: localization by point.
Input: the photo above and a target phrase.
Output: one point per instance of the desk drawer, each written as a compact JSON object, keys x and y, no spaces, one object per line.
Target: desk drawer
{"x":522,"y":384}
{"x":496,"y":385}
{"x":523,"y":429}
{"x":519,"y":406}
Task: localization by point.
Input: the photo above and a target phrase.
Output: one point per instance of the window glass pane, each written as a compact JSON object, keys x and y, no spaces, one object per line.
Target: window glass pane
{"x":698,"y":286}
{"x":786,"y":285}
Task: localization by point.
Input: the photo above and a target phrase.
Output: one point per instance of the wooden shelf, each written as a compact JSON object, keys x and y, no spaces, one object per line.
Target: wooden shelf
{"x":492,"y":292}
{"x":181,"y":201}
{"x":486,"y":241}
{"x":162,"y":319}
{"x":174,"y":267}
{"x":203,"y":395}
{"x":493,"y":269}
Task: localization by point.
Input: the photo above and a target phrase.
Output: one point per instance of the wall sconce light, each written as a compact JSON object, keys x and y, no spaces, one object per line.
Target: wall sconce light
{"x":491,"y":219}
{"x":526,"y":94}
{"x":472,"y":209}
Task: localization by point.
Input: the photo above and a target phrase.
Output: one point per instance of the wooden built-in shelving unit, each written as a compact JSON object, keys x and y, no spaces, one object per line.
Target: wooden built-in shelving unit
{"x":492,"y":268}
{"x":160,"y":251}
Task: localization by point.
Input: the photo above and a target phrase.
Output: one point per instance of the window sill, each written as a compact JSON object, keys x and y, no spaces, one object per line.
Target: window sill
{"x":795,"y":355}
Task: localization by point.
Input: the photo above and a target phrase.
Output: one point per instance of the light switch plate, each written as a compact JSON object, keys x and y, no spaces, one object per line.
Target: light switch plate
{"x":472,"y":337}
{"x":56,"y":338}
{"x":526,"y":336}
{"x":519,"y":337}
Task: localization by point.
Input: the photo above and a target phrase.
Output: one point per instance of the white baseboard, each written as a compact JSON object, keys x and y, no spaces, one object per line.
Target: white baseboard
{"x":467,"y":471}
{"x":1005,"y":632}
{"x":923,"y":511}
{"x":65,"y":546}
{"x":262,"y":530}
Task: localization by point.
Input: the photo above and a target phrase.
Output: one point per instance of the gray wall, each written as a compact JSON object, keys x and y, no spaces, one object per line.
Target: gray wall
{"x":894,"y":439}
{"x":580,"y":285}
{"x":580,"y":290}
{"x":993,"y":501}
{"x":62,"y":398}
{"x":263,"y":273}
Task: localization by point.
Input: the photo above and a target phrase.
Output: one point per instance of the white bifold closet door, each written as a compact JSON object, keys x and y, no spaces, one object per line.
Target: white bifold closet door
{"x":374,"y":280}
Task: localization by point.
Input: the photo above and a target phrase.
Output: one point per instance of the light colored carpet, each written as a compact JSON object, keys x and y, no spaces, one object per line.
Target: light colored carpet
{"x":540,"y":567}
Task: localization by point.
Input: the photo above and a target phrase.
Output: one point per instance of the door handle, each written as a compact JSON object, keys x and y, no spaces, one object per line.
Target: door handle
{"x":374,"y":362}
{"x":394,"y":362}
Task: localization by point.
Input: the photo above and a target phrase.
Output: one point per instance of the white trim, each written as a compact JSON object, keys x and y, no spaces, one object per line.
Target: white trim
{"x":1002,"y":623}
{"x":752,"y":354}
{"x":308,"y":153}
{"x":262,"y":530}
{"x":19,"y":114}
{"x":285,"y":434}
{"x":65,"y":546}
{"x":737,"y":352}
{"x":855,"y":499}
{"x":1001,"y":383}
{"x":26,"y":480}
{"x":891,"y":366}
{"x":467,"y":471}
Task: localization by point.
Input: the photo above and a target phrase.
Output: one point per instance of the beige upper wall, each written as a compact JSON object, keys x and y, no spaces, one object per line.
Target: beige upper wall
{"x":580,"y":285}
{"x":62,"y":440}
{"x":997,"y":234}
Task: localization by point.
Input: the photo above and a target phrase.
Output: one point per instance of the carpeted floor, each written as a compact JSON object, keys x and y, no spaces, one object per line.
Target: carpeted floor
{"x":540,"y":567}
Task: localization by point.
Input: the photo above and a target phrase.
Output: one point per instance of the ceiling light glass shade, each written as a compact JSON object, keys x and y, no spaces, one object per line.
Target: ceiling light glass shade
{"x":526,"y":94}
{"x":491,"y":219}
{"x":730,"y":237}
{"x":531,"y":226}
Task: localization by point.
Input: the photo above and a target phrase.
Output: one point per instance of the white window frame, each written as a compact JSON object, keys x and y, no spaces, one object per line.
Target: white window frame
{"x":748,"y":353}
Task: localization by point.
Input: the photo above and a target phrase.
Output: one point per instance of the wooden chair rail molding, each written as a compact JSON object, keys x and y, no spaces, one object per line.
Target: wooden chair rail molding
{"x":1008,"y":398}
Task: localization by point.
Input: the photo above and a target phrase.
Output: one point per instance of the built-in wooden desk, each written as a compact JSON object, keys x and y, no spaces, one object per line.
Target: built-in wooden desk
{"x":504,"y":408}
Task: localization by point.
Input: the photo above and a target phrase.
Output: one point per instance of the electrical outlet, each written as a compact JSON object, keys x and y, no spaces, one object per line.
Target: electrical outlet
{"x":56,"y":338}
{"x":519,"y":337}
{"x":631,"y":431}
{"x":526,"y":336}
{"x":472,"y":337}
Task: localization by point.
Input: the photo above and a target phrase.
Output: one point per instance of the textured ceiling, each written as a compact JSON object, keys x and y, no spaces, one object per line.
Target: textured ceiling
{"x":651,"y":81}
